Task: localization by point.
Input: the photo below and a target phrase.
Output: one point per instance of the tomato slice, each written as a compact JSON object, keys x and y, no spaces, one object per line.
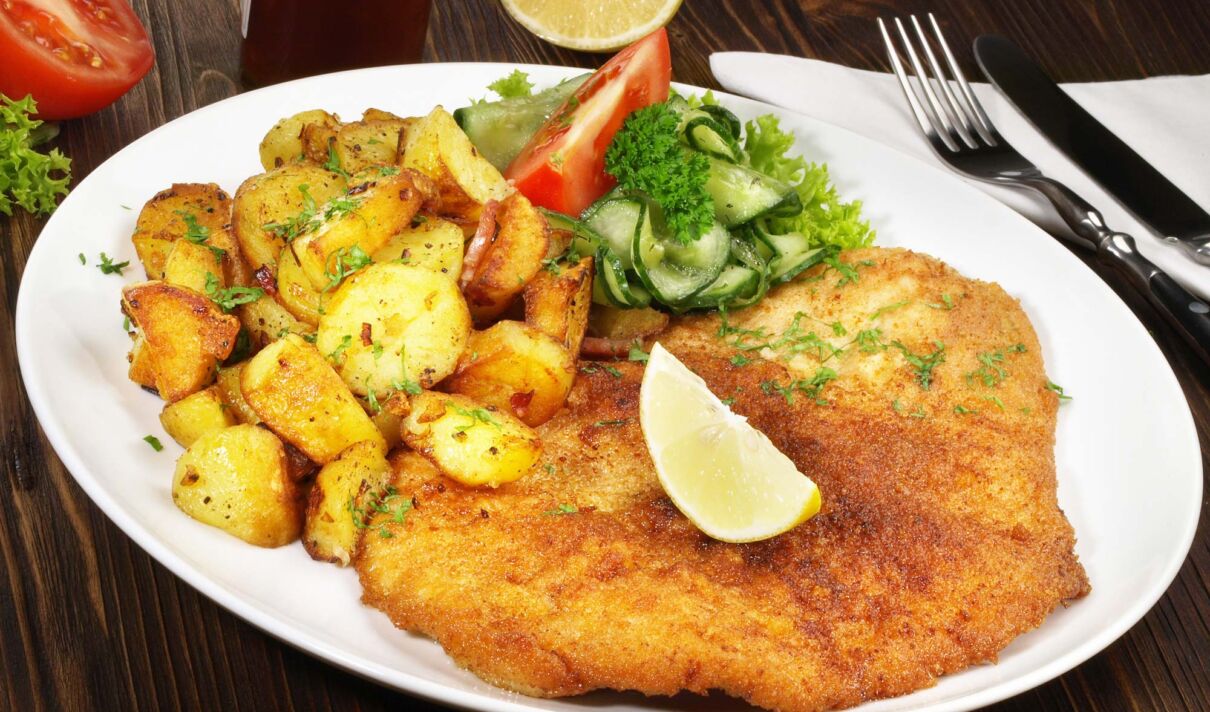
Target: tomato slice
{"x":73,"y":56}
{"x":563,"y":166}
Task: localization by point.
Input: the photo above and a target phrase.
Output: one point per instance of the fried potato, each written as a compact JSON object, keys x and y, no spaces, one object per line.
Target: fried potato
{"x":235,"y":479}
{"x":141,"y":370}
{"x":337,"y":504}
{"x":369,"y":142}
{"x":354,"y":224}
{"x":511,"y":261}
{"x":195,"y":415}
{"x":273,"y":206}
{"x":170,"y":213}
{"x":186,"y":333}
{"x":295,"y":293}
{"x":388,"y":421}
{"x":267,"y":321}
{"x":283,"y":144}
{"x":227,"y":383}
{"x":473,"y":444}
{"x":434,"y":244}
{"x":437,"y":147}
{"x":392,"y":323}
{"x":625,"y":324}
{"x":557,"y":302}
{"x":516,"y":368}
{"x":295,"y":392}
{"x":194,"y":266}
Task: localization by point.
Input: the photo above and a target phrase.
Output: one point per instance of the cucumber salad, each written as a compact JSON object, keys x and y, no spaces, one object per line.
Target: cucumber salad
{"x":699,"y":210}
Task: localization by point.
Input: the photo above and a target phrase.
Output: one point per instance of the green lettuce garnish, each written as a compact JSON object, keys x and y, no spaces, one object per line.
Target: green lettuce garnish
{"x":825,"y":218}
{"x":27,"y":177}
{"x":515,"y":86}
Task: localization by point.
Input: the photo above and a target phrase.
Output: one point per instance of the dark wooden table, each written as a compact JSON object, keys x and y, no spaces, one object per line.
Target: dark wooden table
{"x":89,"y":621}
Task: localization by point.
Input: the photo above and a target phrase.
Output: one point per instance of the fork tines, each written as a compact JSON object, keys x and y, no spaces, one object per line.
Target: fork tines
{"x":956,"y":120}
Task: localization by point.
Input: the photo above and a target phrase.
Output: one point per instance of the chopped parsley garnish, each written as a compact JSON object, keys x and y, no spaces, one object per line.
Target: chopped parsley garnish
{"x":154,"y":442}
{"x":333,"y":163}
{"x":923,"y":364}
{"x":514,"y":86}
{"x":83,"y":259}
{"x":870,"y":341}
{"x":29,"y":179}
{"x":947,"y":303}
{"x":638,"y":354}
{"x":337,"y":352}
{"x":108,"y":266}
{"x":560,"y":510}
{"x":994,"y":400}
{"x":990,"y":372}
{"x":963,"y":410}
{"x":347,"y":260}
{"x":389,"y":502}
{"x":811,"y":387}
{"x":476,"y":415}
{"x":838,"y":329}
{"x":607,"y":423}
{"x":550,"y":469}
{"x":897,"y":406}
{"x":197,"y":233}
{"x":889,"y":308}
{"x":297,"y":225}
{"x":646,"y":155}
{"x":231,"y":297}
{"x":1051,"y":385}
{"x":372,"y":398}
{"x":740,"y":360}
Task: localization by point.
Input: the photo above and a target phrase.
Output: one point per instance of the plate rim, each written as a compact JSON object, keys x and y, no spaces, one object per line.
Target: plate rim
{"x":391,"y":677}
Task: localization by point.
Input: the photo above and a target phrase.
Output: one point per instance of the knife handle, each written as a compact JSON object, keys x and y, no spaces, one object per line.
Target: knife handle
{"x":1188,"y":315}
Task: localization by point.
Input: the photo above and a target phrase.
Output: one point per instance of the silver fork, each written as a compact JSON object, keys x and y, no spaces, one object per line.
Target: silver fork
{"x":960,"y":133}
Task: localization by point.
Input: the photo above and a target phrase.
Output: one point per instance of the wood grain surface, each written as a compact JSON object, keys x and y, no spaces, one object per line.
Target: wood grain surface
{"x":88,"y":621}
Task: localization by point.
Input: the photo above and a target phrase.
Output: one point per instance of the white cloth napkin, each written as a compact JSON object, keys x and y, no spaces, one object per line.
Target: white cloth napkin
{"x":1164,"y":119}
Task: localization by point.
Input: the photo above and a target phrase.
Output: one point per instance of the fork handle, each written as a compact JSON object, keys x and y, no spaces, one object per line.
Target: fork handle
{"x":1189,"y":315}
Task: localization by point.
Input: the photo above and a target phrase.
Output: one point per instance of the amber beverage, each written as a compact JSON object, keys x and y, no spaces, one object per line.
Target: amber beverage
{"x":287,"y":39}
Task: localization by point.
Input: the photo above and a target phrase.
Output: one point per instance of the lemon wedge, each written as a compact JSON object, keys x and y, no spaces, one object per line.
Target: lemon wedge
{"x":592,"y":25}
{"x":722,"y":473}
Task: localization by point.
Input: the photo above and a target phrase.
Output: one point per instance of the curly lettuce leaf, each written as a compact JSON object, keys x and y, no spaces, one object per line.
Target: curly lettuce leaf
{"x":825,"y":219}
{"x":30,"y":179}
{"x":514,"y":86}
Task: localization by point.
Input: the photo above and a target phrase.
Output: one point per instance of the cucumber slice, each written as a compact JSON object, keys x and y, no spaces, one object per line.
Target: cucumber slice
{"x":725,"y":118}
{"x":741,"y":194}
{"x":617,"y":290}
{"x":500,"y":129}
{"x":708,"y":136}
{"x":616,"y":219}
{"x":734,"y":282}
{"x":676,"y":272}
{"x":584,"y":241}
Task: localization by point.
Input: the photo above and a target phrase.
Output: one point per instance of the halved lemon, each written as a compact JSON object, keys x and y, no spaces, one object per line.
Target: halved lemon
{"x":592,"y":25}
{"x":722,"y":473}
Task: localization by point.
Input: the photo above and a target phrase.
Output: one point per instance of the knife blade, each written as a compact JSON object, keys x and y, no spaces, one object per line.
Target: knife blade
{"x":1104,"y":157}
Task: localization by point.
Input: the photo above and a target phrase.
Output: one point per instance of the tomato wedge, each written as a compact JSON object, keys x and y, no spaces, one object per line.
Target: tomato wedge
{"x":563,"y":166}
{"x":73,"y":56}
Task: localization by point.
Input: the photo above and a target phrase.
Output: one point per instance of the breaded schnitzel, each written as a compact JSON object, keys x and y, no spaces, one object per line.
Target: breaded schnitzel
{"x":914,"y":397}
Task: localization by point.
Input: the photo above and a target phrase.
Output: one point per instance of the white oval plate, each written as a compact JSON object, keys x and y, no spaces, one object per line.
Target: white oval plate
{"x":1128,"y":459}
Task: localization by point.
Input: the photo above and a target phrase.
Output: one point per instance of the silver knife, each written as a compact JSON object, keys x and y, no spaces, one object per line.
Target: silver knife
{"x":1116,"y":167}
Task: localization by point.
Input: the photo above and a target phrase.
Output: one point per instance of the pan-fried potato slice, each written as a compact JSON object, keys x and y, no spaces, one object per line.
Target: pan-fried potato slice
{"x":366,"y":143}
{"x":391,"y":324}
{"x":388,"y":422}
{"x":511,"y":261}
{"x":516,"y":368}
{"x":235,"y":479}
{"x":625,"y":324}
{"x":274,"y":207}
{"x":141,"y":370}
{"x":356,"y":225}
{"x":192,"y":265}
{"x":295,"y":293}
{"x":344,"y":493}
{"x":195,"y":415}
{"x":473,"y":444}
{"x":171,"y":213}
{"x":186,"y":333}
{"x":319,"y":144}
{"x":434,"y":244}
{"x":437,"y":147}
{"x":227,"y":383}
{"x":296,"y":393}
{"x":267,"y":321}
{"x":557,"y":302}
{"x":283,"y":144}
